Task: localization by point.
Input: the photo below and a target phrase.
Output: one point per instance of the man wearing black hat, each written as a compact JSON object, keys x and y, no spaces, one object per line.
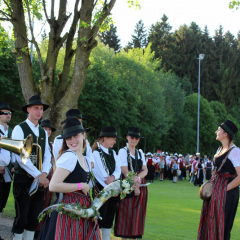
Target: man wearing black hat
{"x":107,"y":169}
{"x":71,"y":113}
{"x":28,"y":207}
{"x":5,"y":156}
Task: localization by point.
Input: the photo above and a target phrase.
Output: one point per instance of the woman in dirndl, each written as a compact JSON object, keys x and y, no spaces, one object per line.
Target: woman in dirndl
{"x":71,"y":177}
{"x":131,"y":212}
{"x":218,"y":213}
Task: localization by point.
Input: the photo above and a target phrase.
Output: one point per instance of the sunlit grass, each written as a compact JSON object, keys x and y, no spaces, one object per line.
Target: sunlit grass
{"x":173,"y":212}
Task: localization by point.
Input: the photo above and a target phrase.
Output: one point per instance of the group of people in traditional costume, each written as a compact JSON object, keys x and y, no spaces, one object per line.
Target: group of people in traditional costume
{"x":67,"y":168}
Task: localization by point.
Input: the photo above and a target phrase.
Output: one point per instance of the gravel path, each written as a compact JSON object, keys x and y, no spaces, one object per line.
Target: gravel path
{"x":5,"y":228}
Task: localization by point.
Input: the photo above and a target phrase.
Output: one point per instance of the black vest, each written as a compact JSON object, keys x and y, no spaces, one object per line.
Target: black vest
{"x":109,"y":159}
{"x":136,"y":163}
{"x":41,"y":140}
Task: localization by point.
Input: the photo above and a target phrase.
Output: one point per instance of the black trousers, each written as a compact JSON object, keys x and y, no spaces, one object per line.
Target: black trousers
{"x":107,"y":211}
{"x":4,"y":193}
{"x":27,"y":208}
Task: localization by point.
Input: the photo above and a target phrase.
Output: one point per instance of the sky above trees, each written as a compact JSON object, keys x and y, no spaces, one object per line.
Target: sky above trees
{"x":212,"y":13}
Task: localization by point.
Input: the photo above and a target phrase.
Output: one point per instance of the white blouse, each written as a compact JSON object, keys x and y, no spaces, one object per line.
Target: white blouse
{"x":234,"y":156}
{"x":68,"y":161}
{"x":99,"y":171}
{"x":122,"y":155}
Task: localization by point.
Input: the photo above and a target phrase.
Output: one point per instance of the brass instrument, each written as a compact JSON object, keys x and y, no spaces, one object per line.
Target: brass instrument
{"x":22,"y":147}
{"x":39,"y":167}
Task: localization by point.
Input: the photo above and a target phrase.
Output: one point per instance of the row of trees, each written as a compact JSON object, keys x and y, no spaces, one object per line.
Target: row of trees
{"x":150,"y":83}
{"x":127,"y":89}
{"x":179,"y":50}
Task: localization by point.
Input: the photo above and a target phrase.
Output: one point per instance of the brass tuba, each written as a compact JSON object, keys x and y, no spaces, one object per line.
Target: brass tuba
{"x":20,"y":147}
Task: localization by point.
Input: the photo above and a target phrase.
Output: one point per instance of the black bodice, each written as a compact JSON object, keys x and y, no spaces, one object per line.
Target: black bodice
{"x":78,"y":175}
{"x":227,"y":166}
{"x":139,"y":164}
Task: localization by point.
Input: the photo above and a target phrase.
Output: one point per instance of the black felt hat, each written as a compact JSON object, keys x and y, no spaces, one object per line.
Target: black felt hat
{"x":72,"y":127}
{"x":109,"y":132}
{"x":230,"y":128}
{"x":4,"y":105}
{"x":46,"y":123}
{"x":134,"y":132}
{"x":35,"y":100}
{"x":74,"y":113}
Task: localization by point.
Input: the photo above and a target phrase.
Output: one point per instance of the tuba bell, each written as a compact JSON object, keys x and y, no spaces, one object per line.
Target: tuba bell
{"x":20,"y":147}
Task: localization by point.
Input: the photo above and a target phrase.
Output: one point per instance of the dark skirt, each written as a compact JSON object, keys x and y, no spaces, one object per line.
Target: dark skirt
{"x":131,"y":215}
{"x":151,"y":171}
{"x":199,"y":177}
{"x":63,"y":227}
{"x":208,"y":173}
{"x":231,"y":205}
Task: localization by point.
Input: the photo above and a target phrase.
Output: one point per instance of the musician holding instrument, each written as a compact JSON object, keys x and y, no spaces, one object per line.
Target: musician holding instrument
{"x":218,"y":213}
{"x":5,"y":156}
{"x":35,"y":169}
{"x":131,"y":212}
{"x":106,"y":170}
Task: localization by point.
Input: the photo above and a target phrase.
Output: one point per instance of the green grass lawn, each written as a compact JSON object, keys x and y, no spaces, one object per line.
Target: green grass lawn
{"x":173,"y":212}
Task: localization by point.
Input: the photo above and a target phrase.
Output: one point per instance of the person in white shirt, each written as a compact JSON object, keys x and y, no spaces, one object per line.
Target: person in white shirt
{"x":5,"y":156}
{"x":58,"y":142}
{"x":28,"y":207}
{"x":107,"y":169}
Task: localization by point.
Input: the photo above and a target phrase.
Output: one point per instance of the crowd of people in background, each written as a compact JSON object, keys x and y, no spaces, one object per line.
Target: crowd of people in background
{"x":176,"y":167}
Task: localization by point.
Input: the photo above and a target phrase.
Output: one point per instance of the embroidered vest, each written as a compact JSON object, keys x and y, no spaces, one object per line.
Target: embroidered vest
{"x":41,"y":140}
{"x":134,"y":164}
{"x":109,"y":159}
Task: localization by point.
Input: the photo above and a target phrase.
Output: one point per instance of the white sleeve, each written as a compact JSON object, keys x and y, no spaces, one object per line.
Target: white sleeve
{"x":122,"y":156}
{"x":17,"y":134}
{"x":143,"y":157}
{"x":89,"y":153}
{"x":98,"y":170}
{"x":68,"y":161}
{"x":234,"y":157}
{"x":117,"y":171}
{"x":46,"y":165}
{"x":57,"y":146}
{"x":4,"y":157}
